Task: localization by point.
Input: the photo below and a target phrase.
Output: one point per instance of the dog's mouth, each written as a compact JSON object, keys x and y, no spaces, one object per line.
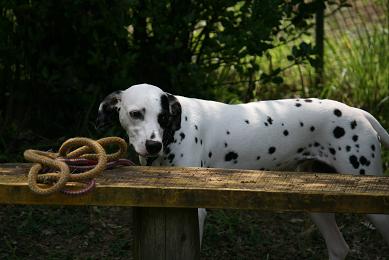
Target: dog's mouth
{"x":149,"y":158}
{"x":148,"y":155}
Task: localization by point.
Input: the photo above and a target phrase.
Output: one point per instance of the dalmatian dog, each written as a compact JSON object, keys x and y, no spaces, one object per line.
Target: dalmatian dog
{"x":173,"y":130}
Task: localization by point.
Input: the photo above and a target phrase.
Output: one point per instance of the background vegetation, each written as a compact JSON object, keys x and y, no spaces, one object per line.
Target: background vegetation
{"x":58,"y":59}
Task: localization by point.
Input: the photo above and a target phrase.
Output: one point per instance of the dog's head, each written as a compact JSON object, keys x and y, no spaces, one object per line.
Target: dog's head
{"x":149,"y":115}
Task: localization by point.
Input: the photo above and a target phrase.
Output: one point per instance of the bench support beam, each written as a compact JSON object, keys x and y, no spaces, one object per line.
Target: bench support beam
{"x":166,"y":233}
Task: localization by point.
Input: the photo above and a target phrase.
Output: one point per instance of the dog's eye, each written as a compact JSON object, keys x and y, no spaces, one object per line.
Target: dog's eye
{"x":136,"y":114}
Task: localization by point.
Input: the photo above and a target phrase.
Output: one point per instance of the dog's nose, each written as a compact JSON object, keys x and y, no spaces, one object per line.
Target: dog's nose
{"x":153,"y":147}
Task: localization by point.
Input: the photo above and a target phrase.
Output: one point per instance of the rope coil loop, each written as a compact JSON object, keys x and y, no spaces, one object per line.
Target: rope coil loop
{"x":43,"y":158}
{"x":90,"y":145}
{"x":79,"y":150}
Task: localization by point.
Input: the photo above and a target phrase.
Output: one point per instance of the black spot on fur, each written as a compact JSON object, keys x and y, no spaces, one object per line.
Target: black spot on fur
{"x":230,"y":156}
{"x":258,"y":157}
{"x":332,"y":151}
{"x":316,"y":144}
{"x":169,"y":118}
{"x":300,"y":150}
{"x":182,"y":136}
{"x":348,"y":148}
{"x":269,"y":120}
{"x":337,"y":112}
{"x":362,"y":172}
{"x":201,"y":141}
{"x":196,"y":127}
{"x":210,"y":154}
{"x":165,"y":102}
{"x":355,"y":138}
{"x":353,"y":124}
{"x":271,"y":150}
{"x":364,"y":161}
{"x":201,"y":163}
{"x":372,"y":147}
{"x":228,"y":132}
{"x":152,"y":136}
{"x":171,"y":157}
{"x":308,"y":100}
{"x":247,"y":121}
{"x":196,"y":140}
{"x":312,"y":128}
{"x":225,"y":144}
{"x":372,"y":155}
{"x":354,"y":161}
{"x":182,"y":155}
{"x":301,"y":124}
{"x":186,"y":118}
{"x":167,"y":150}
{"x":286,"y":132}
{"x":306,"y":154}
{"x":338,"y":132}
{"x":298,"y":105}
{"x":266,"y":124}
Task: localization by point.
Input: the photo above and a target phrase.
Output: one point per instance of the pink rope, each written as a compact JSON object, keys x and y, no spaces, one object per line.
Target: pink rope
{"x":78,"y":165}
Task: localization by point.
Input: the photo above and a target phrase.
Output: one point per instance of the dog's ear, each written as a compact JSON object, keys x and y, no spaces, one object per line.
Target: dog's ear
{"x":175,"y":112}
{"x":109,"y":110}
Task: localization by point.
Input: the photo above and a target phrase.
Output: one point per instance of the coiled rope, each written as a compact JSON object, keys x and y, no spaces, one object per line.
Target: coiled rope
{"x":78,"y":160}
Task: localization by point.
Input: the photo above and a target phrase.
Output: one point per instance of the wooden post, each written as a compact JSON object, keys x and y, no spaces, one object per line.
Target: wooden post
{"x":320,"y":44}
{"x":166,"y":233}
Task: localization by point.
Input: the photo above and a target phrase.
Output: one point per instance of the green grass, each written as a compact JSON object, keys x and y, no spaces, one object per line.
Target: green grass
{"x":357,"y":70}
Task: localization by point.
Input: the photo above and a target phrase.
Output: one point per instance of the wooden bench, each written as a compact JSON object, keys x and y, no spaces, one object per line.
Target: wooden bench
{"x":166,"y":199}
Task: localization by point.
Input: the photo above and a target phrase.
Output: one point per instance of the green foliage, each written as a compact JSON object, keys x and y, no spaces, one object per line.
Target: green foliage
{"x":190,"y":46}
{"x":59,"y":59}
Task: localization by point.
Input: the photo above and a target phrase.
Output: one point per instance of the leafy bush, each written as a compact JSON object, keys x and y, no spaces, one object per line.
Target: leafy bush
{"x":58,"y":59}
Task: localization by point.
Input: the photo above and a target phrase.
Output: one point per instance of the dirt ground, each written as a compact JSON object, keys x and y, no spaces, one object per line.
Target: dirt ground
{"x":45,"y":232}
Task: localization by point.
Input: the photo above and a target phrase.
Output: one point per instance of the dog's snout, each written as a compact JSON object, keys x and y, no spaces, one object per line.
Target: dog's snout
{"x":153,"y":147}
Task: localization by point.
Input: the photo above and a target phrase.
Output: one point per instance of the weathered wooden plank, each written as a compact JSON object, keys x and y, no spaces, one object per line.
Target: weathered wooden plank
{"x":213,"y":188}
{"x":166,"y":233}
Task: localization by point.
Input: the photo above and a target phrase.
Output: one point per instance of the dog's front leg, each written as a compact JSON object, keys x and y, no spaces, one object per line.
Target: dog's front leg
{"x":202,"y":215}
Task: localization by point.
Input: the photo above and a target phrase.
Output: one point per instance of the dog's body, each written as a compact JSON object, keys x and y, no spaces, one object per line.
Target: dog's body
{"x":280,"y":134}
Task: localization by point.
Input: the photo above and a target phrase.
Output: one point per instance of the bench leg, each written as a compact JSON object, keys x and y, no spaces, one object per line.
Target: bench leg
{"x":166,"y":233}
